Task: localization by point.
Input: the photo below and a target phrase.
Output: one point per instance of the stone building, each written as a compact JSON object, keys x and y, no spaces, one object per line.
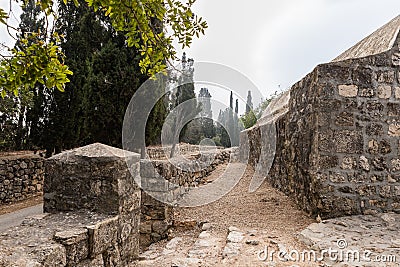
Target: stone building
{"x":337,"y":132}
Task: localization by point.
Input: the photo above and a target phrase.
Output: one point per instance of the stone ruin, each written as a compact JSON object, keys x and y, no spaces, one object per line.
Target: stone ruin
{"x":95,"y":214}
{"x":337,"y":132}
{"x":92,"y":206}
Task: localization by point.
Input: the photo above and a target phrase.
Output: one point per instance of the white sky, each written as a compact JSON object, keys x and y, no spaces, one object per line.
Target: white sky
{"x":276,"y":43}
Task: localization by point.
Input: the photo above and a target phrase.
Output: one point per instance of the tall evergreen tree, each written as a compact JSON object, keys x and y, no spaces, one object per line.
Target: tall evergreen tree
{"x":184,"y":92}
{"x":249,"y":103}
{"x":106,"y":75}
{"x":207,"y":123}
{"x":28,"y":116}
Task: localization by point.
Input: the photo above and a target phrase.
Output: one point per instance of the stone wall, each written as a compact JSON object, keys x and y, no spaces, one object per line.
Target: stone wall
{"x":93,"y":205}
{"x":21,"y":177}
{"x":157,"y":217}
{"x":337,"y":146}
{"x":162,"y":153}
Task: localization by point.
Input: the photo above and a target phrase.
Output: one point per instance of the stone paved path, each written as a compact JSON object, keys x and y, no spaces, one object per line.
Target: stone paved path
{"x":368,"y":240}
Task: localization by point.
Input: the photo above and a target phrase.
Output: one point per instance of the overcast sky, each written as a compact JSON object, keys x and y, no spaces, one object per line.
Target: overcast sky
{"x":276,"y":43}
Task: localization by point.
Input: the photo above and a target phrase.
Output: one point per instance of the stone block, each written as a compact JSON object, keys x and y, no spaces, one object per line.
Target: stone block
{"x":395,"y":165}
{"x":393,"y":109}
{"x":160,"y":227}
{"x":348,"y":90}
{"x":379,"y":164}
{"x":366,"y":190}
{"x":374,"y":129}
{"x":384,"y":91}
{"x":99,"y":177}
{"x":394,"y":129}
{"x":347,"y":141}
{"x":76,"y":245}
{"x":102,"y":235}
{"x":337,"y":178}
{"x":328,"y":161}
{"x":385,"y":191}
{"x":146,"y":227}
{"x":386,"y":77}
{"x":364,"y":163}
{"x":367,"y":92}
{"x":344,"y":119}
{"x":397,"y":92}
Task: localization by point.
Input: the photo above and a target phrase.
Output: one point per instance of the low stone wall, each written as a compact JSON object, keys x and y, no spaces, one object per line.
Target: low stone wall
{"x":157,"y":217}
{"x":162,"y":153}
{"x":21,"y":177}
{"x":94,"y":203}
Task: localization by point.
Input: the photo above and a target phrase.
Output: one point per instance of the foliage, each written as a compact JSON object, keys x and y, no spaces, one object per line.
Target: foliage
{"x":207,"y":124}
{"x":106,"y":75}
{"x":141,"y":21}
{"x":18,"y":122}
{"x":183,"y":105}
{"x":32,"y":63}
{"x":229,"y":126}
{"x":249,"y":119}
{"x":11,"y":109}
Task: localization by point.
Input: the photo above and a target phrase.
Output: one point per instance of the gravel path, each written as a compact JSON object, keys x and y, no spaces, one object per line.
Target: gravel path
{"x":265,"y":209}
{"x":265,"y":218}
{"x":15,"y":218}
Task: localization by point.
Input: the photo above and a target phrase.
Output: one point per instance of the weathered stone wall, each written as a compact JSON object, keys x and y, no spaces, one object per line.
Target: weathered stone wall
{"x":21,"y":177}
{"x":94,"y":203}
{"x":337,"y":150}
{"x":157,"y":217}
{"x":162,"y":153}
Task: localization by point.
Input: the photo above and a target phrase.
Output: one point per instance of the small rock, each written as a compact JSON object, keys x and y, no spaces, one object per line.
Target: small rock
{"x":149,"y":255}
{"x":235,"y":237}
{"x":273,"y":242}
{"x":252,"y":242}
{"x":173,"y":243}
{"x":231,"y":250}
{"x":341,"y":223}
{"x":232,"y":228}
{"x":204,"y":235}
{"x":206,"y":227}
{"x":252,"y":232}
{"x":388,"y":218}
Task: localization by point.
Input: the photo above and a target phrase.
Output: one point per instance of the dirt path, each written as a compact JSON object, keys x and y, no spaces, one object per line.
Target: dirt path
{"x":8,"y":208}
{"x":265,"y":218}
